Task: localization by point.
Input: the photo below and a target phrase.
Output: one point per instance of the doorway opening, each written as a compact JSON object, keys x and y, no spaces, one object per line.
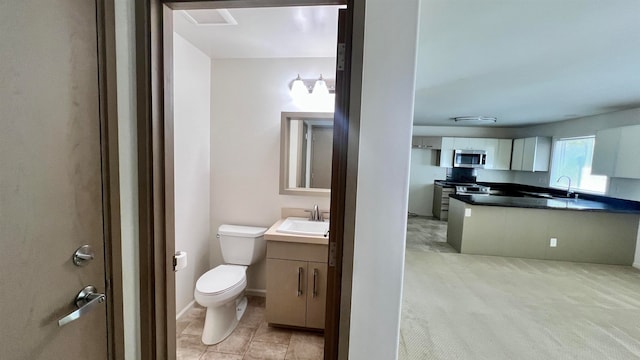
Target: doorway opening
{"x":231,"y":82}
{"x":158,"y":333}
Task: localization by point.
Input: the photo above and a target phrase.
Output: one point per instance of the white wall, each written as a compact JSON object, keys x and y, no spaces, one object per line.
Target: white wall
{"x":127,"y":152}
{"x":248,"y":96}
{"x":424,"y":170}
{"x":383,"y":173}
{"x":192,"y":116}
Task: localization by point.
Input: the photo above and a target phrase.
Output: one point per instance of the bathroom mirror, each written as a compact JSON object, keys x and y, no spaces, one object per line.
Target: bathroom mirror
{"x":306,"y":143}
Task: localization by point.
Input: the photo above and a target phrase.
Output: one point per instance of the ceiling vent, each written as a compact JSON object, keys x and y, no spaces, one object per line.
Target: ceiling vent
{"x":210,"y":17}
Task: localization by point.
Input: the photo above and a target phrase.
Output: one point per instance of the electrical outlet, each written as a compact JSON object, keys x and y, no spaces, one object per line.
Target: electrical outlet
{"x":467,"y":212}
{"x":553,"y":242}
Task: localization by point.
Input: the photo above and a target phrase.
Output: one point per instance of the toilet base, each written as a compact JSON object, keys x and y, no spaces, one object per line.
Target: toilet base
{"x":220,"y":321}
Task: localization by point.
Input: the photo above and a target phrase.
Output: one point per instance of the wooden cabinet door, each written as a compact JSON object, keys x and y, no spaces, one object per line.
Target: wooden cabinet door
{"x":286,"y":292}
{"x":605,"y":152}
{"x":316,"y":294}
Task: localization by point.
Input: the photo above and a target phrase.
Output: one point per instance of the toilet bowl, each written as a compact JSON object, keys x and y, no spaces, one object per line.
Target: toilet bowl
{"x":221,"y":289}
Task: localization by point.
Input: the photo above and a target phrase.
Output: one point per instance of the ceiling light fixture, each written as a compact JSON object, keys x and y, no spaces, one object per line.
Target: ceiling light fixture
{"x":475,"y":119}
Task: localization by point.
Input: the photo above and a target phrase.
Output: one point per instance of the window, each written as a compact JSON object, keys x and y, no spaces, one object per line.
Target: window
{"x":572,"y":157}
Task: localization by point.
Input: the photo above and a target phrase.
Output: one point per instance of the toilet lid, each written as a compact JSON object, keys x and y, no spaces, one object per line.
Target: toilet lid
{"x":220,"y":279}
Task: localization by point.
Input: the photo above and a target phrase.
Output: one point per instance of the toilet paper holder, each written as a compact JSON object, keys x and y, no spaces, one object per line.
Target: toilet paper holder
{"x":179,"y":260}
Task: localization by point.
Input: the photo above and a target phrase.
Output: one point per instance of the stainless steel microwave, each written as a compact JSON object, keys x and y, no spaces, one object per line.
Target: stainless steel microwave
{"x":469,"y":159}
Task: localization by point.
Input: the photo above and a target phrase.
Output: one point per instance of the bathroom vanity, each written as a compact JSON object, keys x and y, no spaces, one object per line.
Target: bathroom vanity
{"x":296,"y":279}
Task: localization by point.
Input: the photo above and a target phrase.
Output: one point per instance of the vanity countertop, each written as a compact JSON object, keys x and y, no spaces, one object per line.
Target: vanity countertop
{"x":273,"y":235}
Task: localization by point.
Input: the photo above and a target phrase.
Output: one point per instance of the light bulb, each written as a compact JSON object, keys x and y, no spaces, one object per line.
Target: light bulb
{"x":298,"y":89}
{"x":320,"y":88}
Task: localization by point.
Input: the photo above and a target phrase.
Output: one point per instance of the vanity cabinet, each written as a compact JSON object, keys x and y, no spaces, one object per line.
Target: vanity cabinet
{"x":296,"y":284}
{"x":531,"y":154}
{"x":615,"y":151}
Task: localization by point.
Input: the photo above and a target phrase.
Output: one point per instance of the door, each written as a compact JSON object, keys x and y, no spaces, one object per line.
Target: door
{"x":50,"y":179}
{"x":321,"y":147}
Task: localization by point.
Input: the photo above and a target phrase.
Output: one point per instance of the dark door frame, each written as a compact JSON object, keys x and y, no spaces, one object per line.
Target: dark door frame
{"x":155,"y":164}
{"x":108,"y":113}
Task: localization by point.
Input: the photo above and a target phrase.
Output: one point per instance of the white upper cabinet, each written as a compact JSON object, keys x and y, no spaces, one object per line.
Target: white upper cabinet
{"x":605,"y":152}
{"x":616,"y":152}
{"x":446,"y":152}
{"x":531,"y":154}
{"x":628,"y":159}
{"x":498,"y":150}
{"x":517,"y":154}
{"x":502,"y":159}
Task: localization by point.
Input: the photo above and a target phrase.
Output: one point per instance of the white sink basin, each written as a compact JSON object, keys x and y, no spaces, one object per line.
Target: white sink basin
{"x":303,"y":226}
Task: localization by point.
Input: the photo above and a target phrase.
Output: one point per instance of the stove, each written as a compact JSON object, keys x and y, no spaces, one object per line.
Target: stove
{"x":472,"y":189}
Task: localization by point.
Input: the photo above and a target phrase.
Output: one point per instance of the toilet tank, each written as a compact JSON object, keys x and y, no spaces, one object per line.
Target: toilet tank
{"x":242,"y":245}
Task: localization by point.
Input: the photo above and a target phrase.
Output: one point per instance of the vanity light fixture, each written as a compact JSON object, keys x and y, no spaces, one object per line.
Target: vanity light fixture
{"x":320,"y":86}
{"x":475,"y":119}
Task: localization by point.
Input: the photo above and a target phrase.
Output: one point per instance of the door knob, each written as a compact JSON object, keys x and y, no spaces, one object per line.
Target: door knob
{"x":87,"y":299}
{"x":83,"y":255}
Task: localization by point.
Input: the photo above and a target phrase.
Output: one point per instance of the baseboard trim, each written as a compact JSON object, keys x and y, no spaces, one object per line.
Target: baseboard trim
{"x":636,"y":265}
{"x":256,"y":292}
{"x":186,"y":308}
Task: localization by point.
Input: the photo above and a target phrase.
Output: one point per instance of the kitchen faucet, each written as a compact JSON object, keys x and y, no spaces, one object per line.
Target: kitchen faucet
{"x":568,"y":187}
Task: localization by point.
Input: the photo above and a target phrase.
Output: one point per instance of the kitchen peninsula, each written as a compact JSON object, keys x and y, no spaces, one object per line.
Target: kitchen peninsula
{"x":534,"y":223}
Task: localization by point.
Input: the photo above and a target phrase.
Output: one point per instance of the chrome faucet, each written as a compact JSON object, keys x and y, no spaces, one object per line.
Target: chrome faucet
{"x":314,"y":214}
{"x":568,"y":187}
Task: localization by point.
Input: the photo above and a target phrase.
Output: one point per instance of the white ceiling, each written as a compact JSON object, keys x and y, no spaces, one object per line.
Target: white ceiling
{"x":283,"y":32}
{"x":526,"y":61}
{"x":522,"y":61}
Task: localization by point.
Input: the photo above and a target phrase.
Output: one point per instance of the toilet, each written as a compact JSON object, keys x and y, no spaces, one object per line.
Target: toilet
{"x":221,"y":289}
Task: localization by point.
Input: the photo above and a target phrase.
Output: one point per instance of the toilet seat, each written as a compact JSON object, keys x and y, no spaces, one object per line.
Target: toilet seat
{"x":220,"y":279}
{"x":220,"y":284}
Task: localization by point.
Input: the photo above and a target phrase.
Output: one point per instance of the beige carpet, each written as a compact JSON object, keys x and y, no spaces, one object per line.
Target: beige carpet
{"x":483,"y":307}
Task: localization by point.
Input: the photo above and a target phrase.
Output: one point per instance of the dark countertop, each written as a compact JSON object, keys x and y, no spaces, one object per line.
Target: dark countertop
{"x":615,"y":205}
{"x":535,"y":197}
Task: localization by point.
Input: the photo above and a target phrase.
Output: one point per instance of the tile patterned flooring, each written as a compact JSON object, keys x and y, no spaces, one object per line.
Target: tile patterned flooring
{"x":252,"y":339}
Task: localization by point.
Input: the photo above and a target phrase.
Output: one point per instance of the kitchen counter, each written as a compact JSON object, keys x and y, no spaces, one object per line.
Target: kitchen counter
{"x":540,"y":228}
{"x":612,"y":205}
